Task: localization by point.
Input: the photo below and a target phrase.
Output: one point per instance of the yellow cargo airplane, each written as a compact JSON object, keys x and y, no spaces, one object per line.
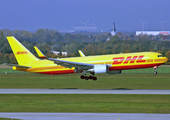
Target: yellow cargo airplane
{"x":111,"y":64}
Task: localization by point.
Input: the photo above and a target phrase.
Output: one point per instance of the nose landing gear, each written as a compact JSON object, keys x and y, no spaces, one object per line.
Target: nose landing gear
{"x":155,"y":70}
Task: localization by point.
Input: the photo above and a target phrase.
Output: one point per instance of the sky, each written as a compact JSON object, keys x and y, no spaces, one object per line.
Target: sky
{"x":32,"y":15}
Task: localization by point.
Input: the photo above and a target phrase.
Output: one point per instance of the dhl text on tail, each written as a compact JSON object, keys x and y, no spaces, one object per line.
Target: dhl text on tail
{"x":111,"y":64}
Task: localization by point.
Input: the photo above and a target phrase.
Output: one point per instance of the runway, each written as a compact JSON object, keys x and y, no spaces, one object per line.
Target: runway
{"x":86,"y":116}
{"x":83,"y":116}
{"x":80,"y":91}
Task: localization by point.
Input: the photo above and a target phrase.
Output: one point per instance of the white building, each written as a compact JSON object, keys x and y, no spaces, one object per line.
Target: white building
{"x":152,"y":32}
{"x":57,"y":53}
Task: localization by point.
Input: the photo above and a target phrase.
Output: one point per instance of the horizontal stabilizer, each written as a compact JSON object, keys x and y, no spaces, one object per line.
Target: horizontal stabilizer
{"x":16,"y":65}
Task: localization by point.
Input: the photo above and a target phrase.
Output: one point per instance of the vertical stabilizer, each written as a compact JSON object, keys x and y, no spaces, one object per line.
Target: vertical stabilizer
{"x":22,"y":54}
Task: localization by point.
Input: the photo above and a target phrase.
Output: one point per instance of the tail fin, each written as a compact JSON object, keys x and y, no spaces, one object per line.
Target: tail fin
{"x":22,"y":54}
{"x":40,"y":54}
{"x":81,"y":53}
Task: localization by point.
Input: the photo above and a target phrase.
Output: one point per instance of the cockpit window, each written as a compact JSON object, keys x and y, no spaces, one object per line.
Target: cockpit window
{"x":159,"y":55}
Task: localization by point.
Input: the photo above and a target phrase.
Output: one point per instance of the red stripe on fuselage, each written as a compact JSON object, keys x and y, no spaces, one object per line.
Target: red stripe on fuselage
{"x":57,"y":72}
{"x":133,"y":66}
{"x":110,"y":69}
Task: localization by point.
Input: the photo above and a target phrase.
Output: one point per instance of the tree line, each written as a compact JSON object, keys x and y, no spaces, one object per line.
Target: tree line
{"x":47,"y":40}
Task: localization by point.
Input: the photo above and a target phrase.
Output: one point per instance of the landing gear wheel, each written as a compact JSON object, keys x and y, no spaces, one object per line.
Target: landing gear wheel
{"x":94,"y":78}
{"x":82,"y":77}
{"x":154,"y":72}
{"x":86,"y":78}
{"x":90,"y":77}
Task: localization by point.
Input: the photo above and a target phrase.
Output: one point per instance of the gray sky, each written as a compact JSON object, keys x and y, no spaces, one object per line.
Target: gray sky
{"x":65,"y":14}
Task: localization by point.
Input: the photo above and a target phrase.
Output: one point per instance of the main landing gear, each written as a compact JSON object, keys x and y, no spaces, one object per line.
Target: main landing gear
{"x":88,"y":77}
{"x":155,"y":70}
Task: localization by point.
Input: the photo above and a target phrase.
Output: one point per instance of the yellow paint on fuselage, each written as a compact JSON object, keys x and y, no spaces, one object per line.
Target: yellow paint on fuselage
{"x":114,"y":61}
{"x":46,"y":65}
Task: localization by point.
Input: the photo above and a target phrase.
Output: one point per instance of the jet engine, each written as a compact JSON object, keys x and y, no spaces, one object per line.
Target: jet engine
{"x":104,"y":69}
{"x":100,"y":69}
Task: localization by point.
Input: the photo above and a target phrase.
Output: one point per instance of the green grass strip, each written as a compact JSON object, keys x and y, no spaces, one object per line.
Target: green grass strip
{"x":73,"y":81}
{"x":143,"y":71}
{"x":8,"y":119}
{"x":93,"y":103}
{"x":147,"y":70}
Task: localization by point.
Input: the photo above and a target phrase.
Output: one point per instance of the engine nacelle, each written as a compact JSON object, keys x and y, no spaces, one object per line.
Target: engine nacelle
{"x":104,"y":69}
{"x":100,"y":69}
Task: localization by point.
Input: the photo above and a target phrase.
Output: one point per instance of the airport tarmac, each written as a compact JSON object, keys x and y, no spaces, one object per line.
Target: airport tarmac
{"x":81,"y":91}
{"x":86,"y":116}
{"x":83,"y":116}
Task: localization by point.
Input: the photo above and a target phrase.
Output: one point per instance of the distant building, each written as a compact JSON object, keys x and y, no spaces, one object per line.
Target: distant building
{"x":152,"y":32}
{"x":166,"y":38}
{"x":57,"y":53}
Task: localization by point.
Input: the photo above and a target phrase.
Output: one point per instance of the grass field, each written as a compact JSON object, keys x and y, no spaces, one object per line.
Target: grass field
{"x":148,"y":70}
{"x":8,"y":119}
{"x":11,"y":71}
{"x":103,"y":103}
{"x":73,"y":81}
{"x":144,"y":71}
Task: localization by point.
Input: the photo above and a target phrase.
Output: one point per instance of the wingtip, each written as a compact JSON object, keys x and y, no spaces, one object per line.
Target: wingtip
{"x":10,"y":37}
{"x":81,"y":53}
{"x":40,"y":54}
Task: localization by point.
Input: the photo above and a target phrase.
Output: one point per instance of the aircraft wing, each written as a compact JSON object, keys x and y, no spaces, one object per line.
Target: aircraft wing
{"x":40,"y":54}
{"x":16,"y":65}
{"x":69,"y":64}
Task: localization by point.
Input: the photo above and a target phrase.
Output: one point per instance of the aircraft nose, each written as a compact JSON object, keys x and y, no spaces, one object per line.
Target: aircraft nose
{"x":166,"y":59}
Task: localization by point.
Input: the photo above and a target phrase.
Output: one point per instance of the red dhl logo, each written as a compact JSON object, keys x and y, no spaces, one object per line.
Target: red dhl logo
{"x":129,"y":59}
{"x":22,"y":52}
